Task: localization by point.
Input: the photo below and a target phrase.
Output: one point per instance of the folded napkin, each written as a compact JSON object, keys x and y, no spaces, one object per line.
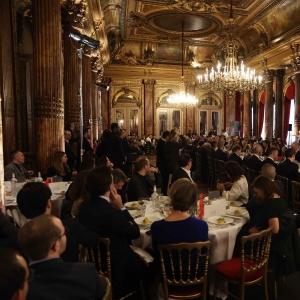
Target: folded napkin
{"x":145,"y":256}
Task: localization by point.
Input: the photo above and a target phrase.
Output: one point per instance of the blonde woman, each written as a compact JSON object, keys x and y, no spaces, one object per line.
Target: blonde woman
{"x":60,"y":167}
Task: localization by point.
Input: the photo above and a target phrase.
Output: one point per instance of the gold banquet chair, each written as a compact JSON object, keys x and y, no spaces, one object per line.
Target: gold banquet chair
{"x":248,"y":269}
{"x":184,"y":269}
{"x":107,"y":287}
{"x":100,"y":256}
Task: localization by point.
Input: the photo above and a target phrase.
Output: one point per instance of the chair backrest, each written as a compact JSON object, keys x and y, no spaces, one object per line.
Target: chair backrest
{"x":184,"y":264}
{"x":245,"y":171}
{"x":107,"y":287}
{"x":100,"y":256}
{"x":258,"y":246}
{"x":285,"y":182}
{"x":251,"y":175}
{"x":296,"y":196}
{"x":223,"y":176}
{"x":198,"y":160}
{"x":216,"y":169}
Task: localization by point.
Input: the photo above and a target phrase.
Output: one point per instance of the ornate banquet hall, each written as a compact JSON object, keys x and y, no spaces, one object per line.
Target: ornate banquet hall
{"x":93,"y":62}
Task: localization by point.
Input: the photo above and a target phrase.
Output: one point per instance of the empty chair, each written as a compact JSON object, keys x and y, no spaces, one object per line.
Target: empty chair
{"x":184,"y":269}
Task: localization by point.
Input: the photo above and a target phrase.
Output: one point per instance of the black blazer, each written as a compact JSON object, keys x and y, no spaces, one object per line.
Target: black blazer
{"x":254,"y":163}
{"x":139,"y":186}
{"x":70,"y":154}
{"x":56,"y":279}
{"x":99,"y":215}
{"x":270,"y":161}
{"x":180,"y":173}
{"x":221,"y":155}
{"x":297,"y":156}
{"x":234,"y":157}
{"x":113,"y":149}
{"x":161,"y":160}
{"x":289,"y":170}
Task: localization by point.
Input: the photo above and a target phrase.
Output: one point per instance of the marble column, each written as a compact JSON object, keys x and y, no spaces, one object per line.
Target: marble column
{"x":149,"y":106}
{"x":269,"y":104}
{"x":247,"y":114}
{"x":71,"y":78}
{"x":255,"y":113}
{"x":230,"y":112}
{"x":297,"y":103}
{"x":47,"y":87}
{"x":86,"y":91}
{"x":278,"y":103}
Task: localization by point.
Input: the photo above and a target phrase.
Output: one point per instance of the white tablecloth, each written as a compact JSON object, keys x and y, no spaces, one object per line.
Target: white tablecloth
{"x":222,"y":240}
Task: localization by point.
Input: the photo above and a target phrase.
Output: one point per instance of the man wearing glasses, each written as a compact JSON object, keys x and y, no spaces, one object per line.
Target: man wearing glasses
{"x":43,"y":240}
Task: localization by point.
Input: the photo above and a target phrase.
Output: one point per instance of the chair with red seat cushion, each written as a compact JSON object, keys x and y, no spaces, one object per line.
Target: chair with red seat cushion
{"x":184,"y":269}
{"x":250,"y":268}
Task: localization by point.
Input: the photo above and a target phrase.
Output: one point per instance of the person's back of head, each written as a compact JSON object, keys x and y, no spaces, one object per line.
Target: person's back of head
{"x":271,"y":151}
{"x":118,"y":175}
{"x":38,"y":236}
{"x":269,"y":171}
{"x":257,"y":149}
{"x":99,"y":181}
{"x":289,"y":153}
{"x":78,"y":187}
{"x":32,"y":199}
{"x":13,"y":275}
{"x":165,"y":134}
{"x":236,"y":148}
{"x":220,"y":144}
{"x":213,"y":144}
{"x":114,"y":127}
{"x":140,"y":163}
{"x":183,"y":160}
{"x":87,"y":164}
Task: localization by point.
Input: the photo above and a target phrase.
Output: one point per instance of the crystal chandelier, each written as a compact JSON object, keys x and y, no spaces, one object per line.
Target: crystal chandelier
{"x":231,"y":77}
{"x":183,"y":99}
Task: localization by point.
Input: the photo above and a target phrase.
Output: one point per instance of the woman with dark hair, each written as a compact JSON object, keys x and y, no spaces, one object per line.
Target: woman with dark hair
{"x":60,"y":167}
{"x":77,"y":192}
{"x":239,"y":188}
{"x":180,"y":226}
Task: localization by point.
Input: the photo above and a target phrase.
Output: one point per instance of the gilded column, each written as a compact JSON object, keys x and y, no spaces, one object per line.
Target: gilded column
{"x":149,"y":106}
{"x":230,"y":112}
{"x":71,"y":78}
{"x":105,"y":110}
{"x":247,"y":114}
{"x":278,"y":103}
{"x":269,"y":104}
{"x":86,"y":90}
{"x":95,"y":109}
{"x":297,"y":103}
{"x":47,"y":89}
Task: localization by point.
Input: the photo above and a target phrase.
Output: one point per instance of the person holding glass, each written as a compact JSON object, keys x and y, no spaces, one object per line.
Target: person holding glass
{"x":238,"y":190}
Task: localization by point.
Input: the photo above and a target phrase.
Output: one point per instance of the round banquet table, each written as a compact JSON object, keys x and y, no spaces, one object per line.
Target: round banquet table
{"x":222,"y":240}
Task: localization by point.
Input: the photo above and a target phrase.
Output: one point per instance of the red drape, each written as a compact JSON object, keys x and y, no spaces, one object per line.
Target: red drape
{"x":286,"y":117}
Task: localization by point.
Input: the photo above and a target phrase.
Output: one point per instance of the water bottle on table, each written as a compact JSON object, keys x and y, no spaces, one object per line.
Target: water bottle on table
{"x":154,"y":198}
{"x":13,"y":184}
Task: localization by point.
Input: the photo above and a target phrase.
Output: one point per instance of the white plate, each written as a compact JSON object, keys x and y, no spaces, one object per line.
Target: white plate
{"x":60,"y":193}
{"x":234,"y":203}
{"x":236,"y":211}
{"x":164,"y":199}
{"x":215,"y":218}
{"x":135,"y":213}
{"x":140,"y":220}
{"x":134,"y":204}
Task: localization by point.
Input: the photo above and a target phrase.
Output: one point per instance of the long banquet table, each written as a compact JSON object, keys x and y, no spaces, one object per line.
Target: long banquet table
{"x":222,"y":240}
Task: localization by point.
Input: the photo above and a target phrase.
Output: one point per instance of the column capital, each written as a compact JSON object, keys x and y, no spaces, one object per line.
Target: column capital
{"x":269,"y":73}
{"x":279,"y":74}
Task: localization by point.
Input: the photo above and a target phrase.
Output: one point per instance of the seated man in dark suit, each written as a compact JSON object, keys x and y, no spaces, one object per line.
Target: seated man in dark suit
{"x":220,"y":154}
{"x":235,"y":155}
{"x":105,"y":214}
{"x":269,"y":171}
{"x":184,"y":170}
{"x":141,"y":185}
{"x":272,"y":154}
{"x":254,"y":162}
{"x":43,"y":240}
{"x":14,"y":275}
{"x":34,"y":199}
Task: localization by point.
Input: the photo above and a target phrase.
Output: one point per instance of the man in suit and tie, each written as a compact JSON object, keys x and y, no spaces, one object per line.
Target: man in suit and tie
{"x":220,"y":153}
{"x":161,"y":162}
{"x":272,"y":155}
{"x":254,"y":162}
{"x":68,"y":149}
{"x":184,"y":170}
{"x":295,"y":147}
{"x":43,"y":240}
{"x":235,"y":155}
{"x":288,"y":168}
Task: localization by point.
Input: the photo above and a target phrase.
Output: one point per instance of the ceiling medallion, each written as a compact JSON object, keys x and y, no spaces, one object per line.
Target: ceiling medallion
{"x":231,"y":77}
{"x":183,"y":99}
{"x":194,"y":5}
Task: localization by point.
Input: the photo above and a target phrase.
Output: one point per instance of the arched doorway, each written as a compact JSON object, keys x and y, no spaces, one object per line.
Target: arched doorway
{"x":126,"y":111}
